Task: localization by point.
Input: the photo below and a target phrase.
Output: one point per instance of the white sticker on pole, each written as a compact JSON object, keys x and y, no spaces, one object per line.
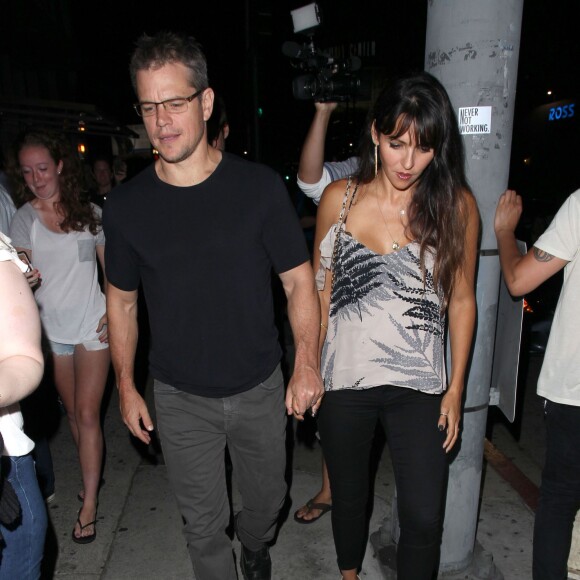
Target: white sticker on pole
{"x":474,"y":120}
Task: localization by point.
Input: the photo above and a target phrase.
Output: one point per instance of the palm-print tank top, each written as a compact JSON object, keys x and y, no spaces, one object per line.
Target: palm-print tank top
{"x":385,"y":324}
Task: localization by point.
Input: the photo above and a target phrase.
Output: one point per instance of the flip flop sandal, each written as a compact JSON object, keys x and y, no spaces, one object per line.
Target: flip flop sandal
{"x":85,"y":539}
{"x":323,"y":507}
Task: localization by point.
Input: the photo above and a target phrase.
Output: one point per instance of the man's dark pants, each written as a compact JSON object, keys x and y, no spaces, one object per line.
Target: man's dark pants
{"x":194,"y":431}
{"x":559,"y":493}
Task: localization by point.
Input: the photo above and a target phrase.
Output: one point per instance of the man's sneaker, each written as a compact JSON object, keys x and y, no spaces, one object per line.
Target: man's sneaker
{"x":256,"y":565}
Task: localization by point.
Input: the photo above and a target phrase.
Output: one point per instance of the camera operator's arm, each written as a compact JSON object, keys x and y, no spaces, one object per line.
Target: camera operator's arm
{"x":312,"y":154}
{"x":313,"y":173}
{"x":312,"y":177}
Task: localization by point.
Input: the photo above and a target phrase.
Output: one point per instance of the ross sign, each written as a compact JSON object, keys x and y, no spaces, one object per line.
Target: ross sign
{"x":474,"y":120}
{"x":561,"y":112}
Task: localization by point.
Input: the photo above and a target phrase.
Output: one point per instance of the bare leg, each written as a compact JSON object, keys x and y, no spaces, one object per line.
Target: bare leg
{"x":90,"y":375}
{"x":91,"y":370}
{"x":323,"y":496}
{"x":64,"y":379}
{"x":349,"y":575}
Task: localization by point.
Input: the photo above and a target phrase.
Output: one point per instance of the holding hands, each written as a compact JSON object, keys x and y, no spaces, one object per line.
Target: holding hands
{"x":304,"y":392}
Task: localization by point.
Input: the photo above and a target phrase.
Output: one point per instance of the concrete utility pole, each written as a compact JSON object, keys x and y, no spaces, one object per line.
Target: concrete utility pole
{"x":472,"y":47}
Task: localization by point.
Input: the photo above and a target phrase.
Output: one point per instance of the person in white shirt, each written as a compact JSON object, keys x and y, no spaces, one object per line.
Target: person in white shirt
{"x":7,"y":209}
{"x":60,"y":230}
{"x":314,"y":174}
{"x":21,"y":368}
{"x":559,"y":381}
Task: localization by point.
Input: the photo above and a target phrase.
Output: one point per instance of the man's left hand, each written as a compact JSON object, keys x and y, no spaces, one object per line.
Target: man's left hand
{"x":304,"y":392}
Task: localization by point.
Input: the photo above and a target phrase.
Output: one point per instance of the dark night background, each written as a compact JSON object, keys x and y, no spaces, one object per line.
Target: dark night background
{"x":78,"y":51}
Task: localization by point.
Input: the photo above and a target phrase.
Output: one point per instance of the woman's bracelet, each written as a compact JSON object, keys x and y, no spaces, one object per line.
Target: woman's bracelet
{"x":322,"y":325}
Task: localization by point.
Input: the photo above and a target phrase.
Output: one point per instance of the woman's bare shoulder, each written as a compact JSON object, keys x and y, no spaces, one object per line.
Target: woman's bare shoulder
{"x":470,"y":203}
{"x":468,"y":197}
{"x":331,"y":202}
{"x":333,"y":194}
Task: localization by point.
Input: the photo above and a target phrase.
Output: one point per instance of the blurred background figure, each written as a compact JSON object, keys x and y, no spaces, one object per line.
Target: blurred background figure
{"x":119,"y":170}
{"x":218,"y":128}
{"x":7,"y":209}
{"x":102,"y":173}
{"x":60,"y":230}
{"x":23,"y":528}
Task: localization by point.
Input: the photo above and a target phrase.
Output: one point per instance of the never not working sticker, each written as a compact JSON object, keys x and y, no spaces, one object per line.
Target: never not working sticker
{"x":474,"y":120}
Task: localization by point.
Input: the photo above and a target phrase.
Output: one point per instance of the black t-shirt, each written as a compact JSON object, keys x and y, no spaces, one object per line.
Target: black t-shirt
{"x":204,"y":255}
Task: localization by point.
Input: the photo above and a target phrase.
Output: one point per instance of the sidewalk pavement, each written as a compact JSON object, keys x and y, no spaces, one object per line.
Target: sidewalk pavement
{"x":139,"y":528}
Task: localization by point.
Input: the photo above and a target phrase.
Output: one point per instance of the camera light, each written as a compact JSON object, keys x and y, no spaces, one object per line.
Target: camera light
{"x":306,"y":17}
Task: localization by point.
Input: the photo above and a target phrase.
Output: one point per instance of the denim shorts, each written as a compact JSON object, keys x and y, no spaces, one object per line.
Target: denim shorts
{"x":62,"y":349}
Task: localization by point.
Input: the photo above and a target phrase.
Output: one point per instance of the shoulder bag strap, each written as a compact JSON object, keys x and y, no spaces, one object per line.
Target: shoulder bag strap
{"x":346,"y":205}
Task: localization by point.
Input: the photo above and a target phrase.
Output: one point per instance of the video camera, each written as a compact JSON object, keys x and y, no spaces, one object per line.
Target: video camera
{"x":326,"y":78}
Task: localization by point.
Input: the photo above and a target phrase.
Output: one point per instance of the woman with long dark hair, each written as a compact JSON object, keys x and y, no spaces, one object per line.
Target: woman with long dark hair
{"x":60,"y":231}
{"x":395,"y":252}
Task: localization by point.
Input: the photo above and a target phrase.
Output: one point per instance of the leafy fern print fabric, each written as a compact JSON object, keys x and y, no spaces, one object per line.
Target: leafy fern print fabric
{"x":385,"y":325}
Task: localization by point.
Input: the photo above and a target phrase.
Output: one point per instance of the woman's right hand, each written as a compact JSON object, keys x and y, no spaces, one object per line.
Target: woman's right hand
{"x":33,"y":278}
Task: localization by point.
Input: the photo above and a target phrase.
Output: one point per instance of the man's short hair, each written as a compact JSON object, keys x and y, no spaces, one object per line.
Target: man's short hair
{"x":168,"y":48}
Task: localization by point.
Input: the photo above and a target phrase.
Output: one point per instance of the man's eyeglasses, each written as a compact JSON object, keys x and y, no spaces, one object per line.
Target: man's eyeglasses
{"x":170,"y":105}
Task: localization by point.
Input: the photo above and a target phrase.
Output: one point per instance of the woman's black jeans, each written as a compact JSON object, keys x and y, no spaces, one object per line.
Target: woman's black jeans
{"x":347,"y":424}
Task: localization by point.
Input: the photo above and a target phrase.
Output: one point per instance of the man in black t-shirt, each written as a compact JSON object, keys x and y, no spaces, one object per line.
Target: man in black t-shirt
{"x":201,"y":230}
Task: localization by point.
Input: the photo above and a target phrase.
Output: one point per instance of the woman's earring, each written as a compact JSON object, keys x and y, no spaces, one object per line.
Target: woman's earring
{"x":376,"y":159}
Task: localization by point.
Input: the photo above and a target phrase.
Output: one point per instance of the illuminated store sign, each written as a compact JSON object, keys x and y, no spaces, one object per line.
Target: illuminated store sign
{"x":561,"y":112}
